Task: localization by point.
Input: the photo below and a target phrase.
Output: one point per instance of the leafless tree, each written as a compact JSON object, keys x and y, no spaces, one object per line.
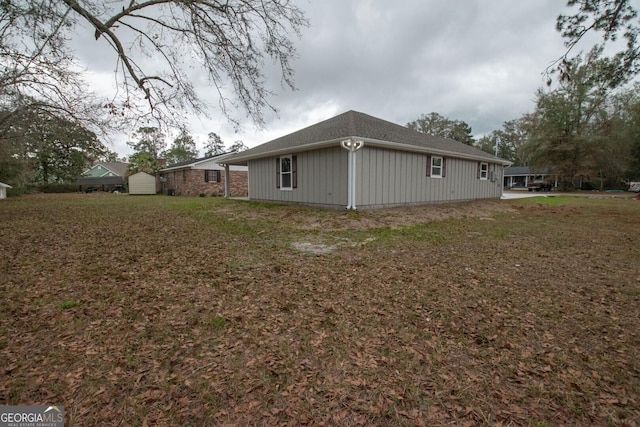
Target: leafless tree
{"x":156,"y":47}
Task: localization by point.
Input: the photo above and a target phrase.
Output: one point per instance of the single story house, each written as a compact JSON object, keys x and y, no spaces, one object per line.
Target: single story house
{"x":105,"y":176}
{"x":355,"y":160}
{"x":204,"y":176}
{"x":3,"y":190}
{"x":519,"y":177}
{"x":142,"y":183}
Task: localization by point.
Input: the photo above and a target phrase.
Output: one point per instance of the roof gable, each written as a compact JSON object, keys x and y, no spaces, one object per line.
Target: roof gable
{"x":371,"y":129}
{"x":116,"y":168}
{"x":193,"y":162}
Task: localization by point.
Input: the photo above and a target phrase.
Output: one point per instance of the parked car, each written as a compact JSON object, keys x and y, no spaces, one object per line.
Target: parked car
{"x":539,"y":185}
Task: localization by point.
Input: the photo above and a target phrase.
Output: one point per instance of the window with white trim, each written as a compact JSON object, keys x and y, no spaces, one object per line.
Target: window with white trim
{"x":285,"y":173}
{"x":484,"y":171}
{"x":436,"y":167}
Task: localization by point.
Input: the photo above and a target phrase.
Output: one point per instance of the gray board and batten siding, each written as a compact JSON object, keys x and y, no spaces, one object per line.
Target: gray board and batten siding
{"x":321,"y":179}
{"x":384,"y":178}
{"x":388,"y":178}
{"x":391,"y":167}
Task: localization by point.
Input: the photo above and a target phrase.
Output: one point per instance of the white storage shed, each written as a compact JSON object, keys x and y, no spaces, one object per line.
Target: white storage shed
{"x":142,"y":183}
{"x":3,"y":190}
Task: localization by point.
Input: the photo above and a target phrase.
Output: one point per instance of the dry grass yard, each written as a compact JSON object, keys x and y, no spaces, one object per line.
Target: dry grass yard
{"x":166,"y":311}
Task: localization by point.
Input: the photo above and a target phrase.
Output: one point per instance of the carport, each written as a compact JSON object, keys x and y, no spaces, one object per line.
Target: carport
{"x":102,"y":183}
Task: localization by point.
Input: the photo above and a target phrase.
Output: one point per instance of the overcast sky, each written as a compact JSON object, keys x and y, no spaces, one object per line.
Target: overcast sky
{"x":480,"y":61}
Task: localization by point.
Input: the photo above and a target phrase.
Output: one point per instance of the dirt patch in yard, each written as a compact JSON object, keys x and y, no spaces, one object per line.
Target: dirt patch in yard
{"x":203,"y":311}
{"x":342,"y":220}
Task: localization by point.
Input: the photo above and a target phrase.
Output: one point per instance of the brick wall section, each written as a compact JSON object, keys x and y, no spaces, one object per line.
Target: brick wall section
{"x":190,"y":182}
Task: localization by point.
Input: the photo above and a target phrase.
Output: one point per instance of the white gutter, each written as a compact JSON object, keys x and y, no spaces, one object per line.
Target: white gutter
{"x":447,"y":153}
{"x":374,"y":142}
{"x":242,"y":160}
{"x":352,"y":145}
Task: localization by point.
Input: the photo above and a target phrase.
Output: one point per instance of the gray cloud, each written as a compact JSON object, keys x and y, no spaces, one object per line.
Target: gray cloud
{"x":475,"y":60}
{"x":478,"y":61}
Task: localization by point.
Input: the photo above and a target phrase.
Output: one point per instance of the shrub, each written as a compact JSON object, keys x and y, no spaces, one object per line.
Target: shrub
{"x":67,"y":187}
{"x":17,"y":191}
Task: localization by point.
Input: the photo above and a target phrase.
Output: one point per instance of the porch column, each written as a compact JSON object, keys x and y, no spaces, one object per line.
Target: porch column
{"x":227,"y":185}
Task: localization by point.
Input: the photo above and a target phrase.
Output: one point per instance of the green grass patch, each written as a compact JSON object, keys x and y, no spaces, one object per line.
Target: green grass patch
{"x":218,"y":322}
{"x":67,"y":305}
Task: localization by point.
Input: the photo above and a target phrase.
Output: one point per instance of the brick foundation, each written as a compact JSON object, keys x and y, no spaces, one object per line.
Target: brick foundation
{"x":191,"y":182}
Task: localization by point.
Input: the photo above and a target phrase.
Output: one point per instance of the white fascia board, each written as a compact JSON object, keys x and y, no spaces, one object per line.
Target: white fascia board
{"x":444,"y":153}
{"x":95,"y":166}
{"x":221,"y":157}
{"x":175,"y":168}
{"x":113,"y":172}
{"x":215,"y":159}
{"x":242,"y":160}
{"x":194,"y":164}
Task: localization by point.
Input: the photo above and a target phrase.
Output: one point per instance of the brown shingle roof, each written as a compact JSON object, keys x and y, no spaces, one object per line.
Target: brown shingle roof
{"x":360,"y":125}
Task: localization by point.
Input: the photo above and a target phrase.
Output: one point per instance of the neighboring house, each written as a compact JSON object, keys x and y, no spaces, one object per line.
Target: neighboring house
{"x":358,"y":161}
{"x":204,"y":176}
{"x":142,"y":183}
{"x":3,"y":190}
{"x":105,"y":176}
{"x":519,"y":177}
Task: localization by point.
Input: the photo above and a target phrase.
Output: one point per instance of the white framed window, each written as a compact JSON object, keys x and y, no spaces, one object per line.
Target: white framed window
{"x":483,"y":171}
{"x":436,"y":167}
{"x":286,"y":173}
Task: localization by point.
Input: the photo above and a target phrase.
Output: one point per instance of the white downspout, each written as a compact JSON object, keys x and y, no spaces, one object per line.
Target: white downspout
{"x":350,"y":179}
{"x":353,"y":181}
{"x":351,"y":145}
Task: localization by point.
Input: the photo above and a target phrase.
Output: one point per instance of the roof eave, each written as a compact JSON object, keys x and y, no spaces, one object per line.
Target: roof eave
{"x":243,"y":160}
{"x":189,"y":166}
{"x":192,"y":164}
{"x":430,"y":150}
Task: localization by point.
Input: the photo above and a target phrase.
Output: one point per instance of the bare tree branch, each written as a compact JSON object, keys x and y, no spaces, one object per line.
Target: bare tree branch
{"x":611,"y":18}
{"x":229,"y":41}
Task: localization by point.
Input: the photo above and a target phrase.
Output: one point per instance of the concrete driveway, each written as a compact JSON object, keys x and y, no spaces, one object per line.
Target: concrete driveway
{"x":523,"y":194}
{"x":593,"y":194}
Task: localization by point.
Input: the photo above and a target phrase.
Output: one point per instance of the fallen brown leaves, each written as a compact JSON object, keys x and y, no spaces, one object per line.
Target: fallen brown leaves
{"x":176,"y":311}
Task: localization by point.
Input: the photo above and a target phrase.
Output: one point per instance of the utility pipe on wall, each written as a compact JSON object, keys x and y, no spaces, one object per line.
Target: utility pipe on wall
{"x":351,"y":145}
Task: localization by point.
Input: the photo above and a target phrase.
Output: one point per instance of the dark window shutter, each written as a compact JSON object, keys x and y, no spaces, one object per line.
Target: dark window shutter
{"x":217,"y":175}
{"x":206,"y":176}
{"x":444,"y":167}
{"x":294,"y":171}
{"x":277,"y":172}
{"x":478,"y":170}
{"x":428,"y":165}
